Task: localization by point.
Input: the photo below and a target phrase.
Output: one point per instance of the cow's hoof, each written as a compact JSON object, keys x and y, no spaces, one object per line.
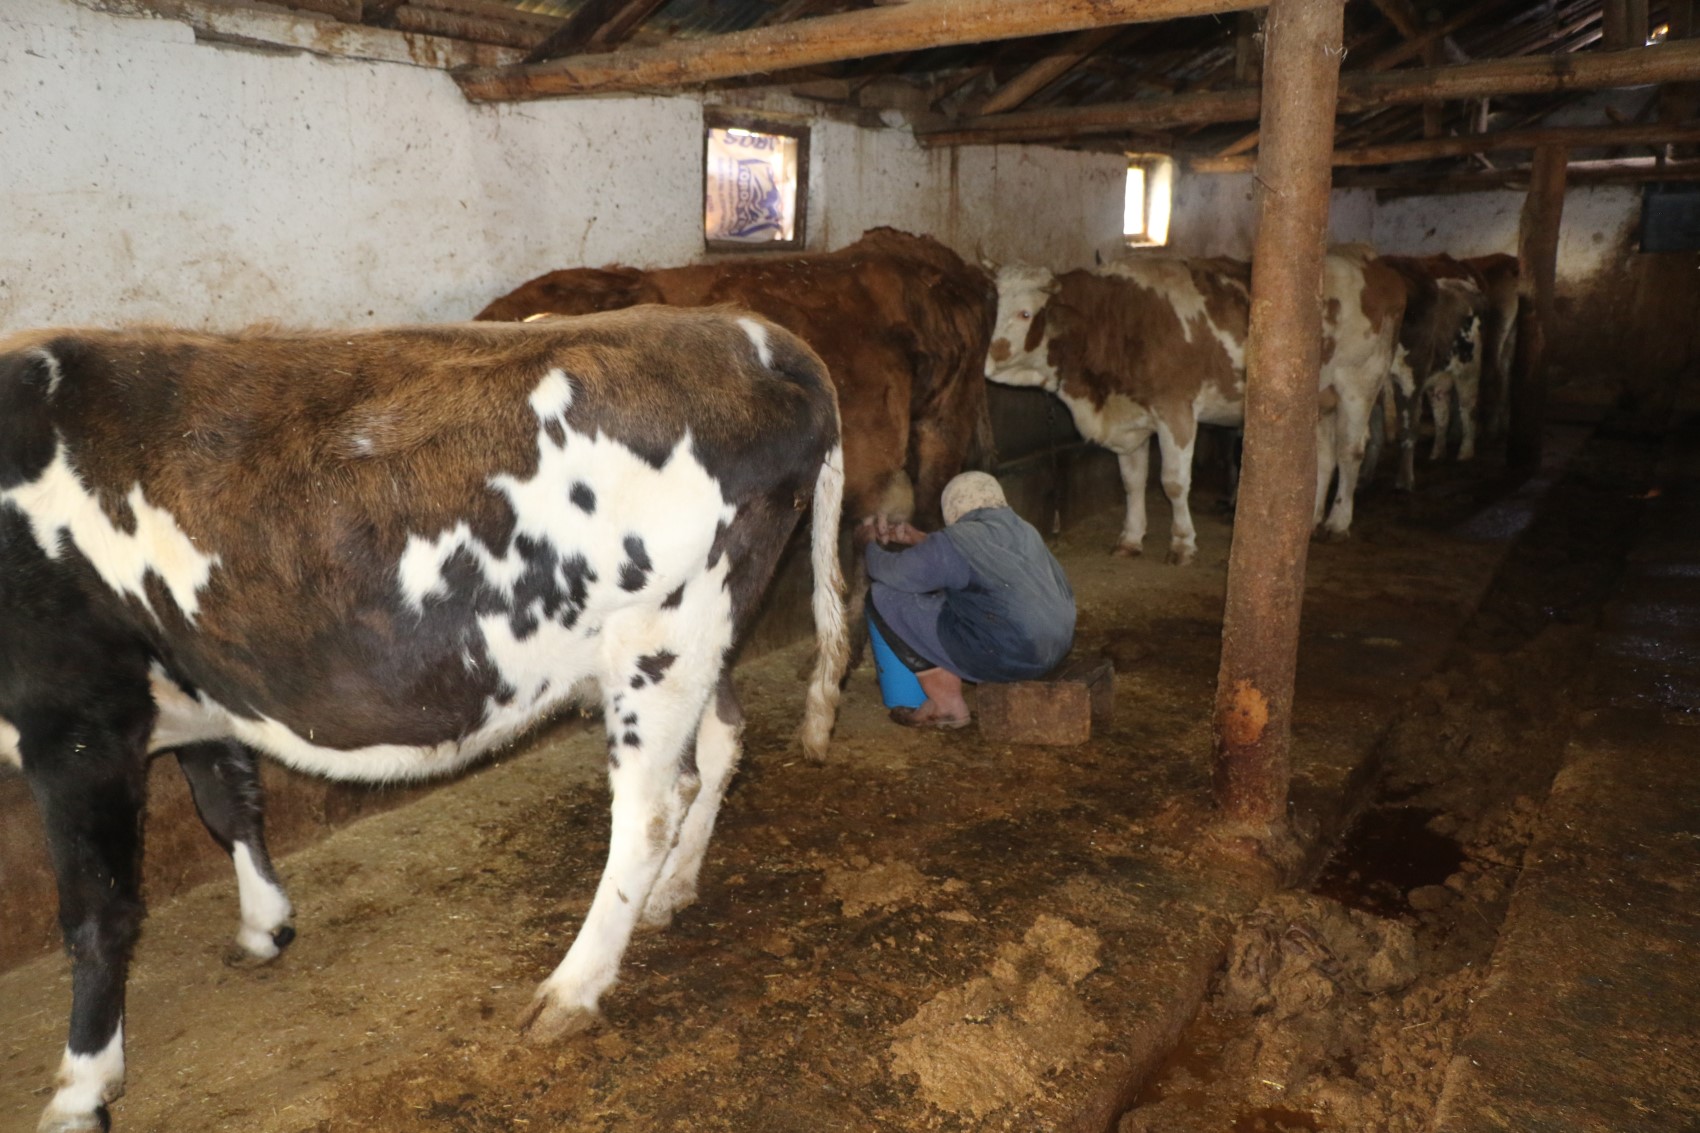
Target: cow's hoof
{"x":1127,"y":551}
{"x":1182,"y":556}
{"x":548,"y":1019}
{"x":1329,"y":535}
{"x":100,"y":1121}
{"x":256,"y":949}
{"x":659,"y":910}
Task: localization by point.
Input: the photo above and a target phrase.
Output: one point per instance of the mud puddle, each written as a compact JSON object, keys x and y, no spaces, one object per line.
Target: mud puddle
{"x":1340,"y":1004}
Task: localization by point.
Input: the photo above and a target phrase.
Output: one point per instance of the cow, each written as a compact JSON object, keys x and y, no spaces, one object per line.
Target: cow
{"x":1156,"y":345}
{"x":1440,"y":353}
{"x":376,"y":555}
{"x":901,"y":321}
{"x":1497,"y":277}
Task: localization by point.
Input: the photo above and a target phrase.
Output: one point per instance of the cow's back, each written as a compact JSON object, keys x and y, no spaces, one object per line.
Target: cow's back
{"x":901,"y":322}
{"x":340,"y":533}
{"x":1154,"y":330}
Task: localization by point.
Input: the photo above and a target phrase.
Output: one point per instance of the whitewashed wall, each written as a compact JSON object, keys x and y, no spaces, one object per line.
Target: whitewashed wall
{"x":1595,"y":234}
{"x":1215,"y":214}
{"x":151,"y":177}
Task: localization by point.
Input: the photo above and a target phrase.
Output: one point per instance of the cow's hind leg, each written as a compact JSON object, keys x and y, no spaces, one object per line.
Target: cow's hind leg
{"x":650,"y":715}
{"x":225,"y":783}
{"x":1176,"y":440}
{"x":1351,"y":430}
{"x":1327,"y":428}
{"x":88,"y":778}
{"x":1135,"y":462}
{"x":718,"y":746}
{"x":1440,"y":408}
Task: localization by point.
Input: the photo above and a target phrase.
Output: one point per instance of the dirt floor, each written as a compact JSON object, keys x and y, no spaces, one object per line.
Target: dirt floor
{"x":927,"y":931}
{"x":1341,"y":1007}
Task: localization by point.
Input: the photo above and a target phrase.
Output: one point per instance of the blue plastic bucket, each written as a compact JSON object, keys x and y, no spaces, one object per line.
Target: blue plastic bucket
{"x":899,"y":687}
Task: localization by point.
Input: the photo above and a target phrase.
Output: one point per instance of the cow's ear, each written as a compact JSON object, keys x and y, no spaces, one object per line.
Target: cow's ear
{"x":1035,"y":332}
{"x":27,"y":440}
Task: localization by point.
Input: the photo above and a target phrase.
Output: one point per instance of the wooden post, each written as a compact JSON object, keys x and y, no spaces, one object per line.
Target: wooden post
{"x":1614,"y":25}
{"x":1266,"y":566}
{"x":1537,"y":264}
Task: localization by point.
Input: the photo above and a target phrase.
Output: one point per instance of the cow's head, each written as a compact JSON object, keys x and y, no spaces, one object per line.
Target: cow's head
{"x":1017,"y":355}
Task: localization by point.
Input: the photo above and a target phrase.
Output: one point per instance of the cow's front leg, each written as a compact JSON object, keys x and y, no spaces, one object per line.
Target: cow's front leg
{"x":1135,"y":462}
{"x":1176,"y":439}
{"x":653,"y":782}
{"x":225,"y":783}
{"x":719,"y":743}
{"x":88,"y":778}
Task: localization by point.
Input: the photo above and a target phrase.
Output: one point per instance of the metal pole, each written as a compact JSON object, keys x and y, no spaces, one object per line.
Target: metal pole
{"x":1266,"y":566}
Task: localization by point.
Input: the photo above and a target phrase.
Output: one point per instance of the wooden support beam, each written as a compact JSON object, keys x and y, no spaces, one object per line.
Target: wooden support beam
{"x":1680,"y":15}
{"x":597,"y":26}
{"x":1248,"y":58}
{"x":914,"y":26}
{"x":1359,"y":91}
{"x":1434,"y":37}
{"x":276,"y":28}
{"x":1394,"y":185}
{"x":1248,"y":142}
{"x":460,"y":25}
{"x":1574,"y":137}
{"x":1046,"y":71}
{"x":1266,"y":564}
{"x":1614,"y":25}
{"x":1537,"y":256}
{"x":1639,"y":23}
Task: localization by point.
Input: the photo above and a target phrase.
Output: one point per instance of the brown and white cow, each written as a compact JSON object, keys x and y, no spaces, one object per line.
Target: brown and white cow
{"x":1440,"y":354}
{"x":377,"y":555}
{"x":1156,"y":345}
{"x":1363,"y":305}
{"x":901,"y":322}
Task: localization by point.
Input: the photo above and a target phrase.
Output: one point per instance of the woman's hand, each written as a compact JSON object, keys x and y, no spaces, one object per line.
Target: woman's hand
{"x":904,"y":534}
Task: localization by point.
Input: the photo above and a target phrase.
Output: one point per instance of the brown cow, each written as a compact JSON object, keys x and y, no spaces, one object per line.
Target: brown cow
{"x":900,"y":320}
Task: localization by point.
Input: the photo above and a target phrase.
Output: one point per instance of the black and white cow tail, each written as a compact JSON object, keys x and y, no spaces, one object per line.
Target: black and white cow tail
{"x":832,"y":643}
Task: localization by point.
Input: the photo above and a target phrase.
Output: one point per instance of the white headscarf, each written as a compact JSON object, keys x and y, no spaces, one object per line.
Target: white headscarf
{"x":968,"y":492}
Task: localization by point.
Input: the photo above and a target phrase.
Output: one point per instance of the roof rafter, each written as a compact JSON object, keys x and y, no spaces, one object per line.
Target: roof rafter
{"x":1574,"y":137}
{"x":1359,"y":91}
{"x":598,"y":25}
{"x":914,"y":26}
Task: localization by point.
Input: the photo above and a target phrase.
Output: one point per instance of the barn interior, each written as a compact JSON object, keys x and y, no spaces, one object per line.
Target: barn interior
{"x":1476,"y":919}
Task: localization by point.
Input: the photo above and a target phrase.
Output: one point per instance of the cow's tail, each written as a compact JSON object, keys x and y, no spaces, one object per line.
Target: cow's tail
{"x":831,"y":639}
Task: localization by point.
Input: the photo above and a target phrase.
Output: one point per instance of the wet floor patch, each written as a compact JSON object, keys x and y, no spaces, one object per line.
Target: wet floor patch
{"x":1389,"y":852}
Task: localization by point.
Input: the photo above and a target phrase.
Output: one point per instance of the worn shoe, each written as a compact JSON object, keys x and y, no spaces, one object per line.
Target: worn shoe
{"x":912,"y":718}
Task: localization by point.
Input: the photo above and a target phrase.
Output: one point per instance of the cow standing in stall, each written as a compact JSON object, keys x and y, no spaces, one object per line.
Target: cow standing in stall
{"x":377,"y":555}
{"x":1440,"y":354}
{"x":901,"y":322}
{"x":1156,"y":345}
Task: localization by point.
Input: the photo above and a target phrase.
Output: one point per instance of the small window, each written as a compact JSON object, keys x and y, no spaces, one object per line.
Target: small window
{"x":1150,"y":188}
{"x":754,"y":183}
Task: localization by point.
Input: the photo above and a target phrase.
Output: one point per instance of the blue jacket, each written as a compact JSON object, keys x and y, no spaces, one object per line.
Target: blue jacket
{"x":984,"y":598}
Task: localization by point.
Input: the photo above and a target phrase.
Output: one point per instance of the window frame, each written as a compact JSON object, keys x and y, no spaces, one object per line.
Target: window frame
{"x":722,"y":119}
{"x":1149,"y":164}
